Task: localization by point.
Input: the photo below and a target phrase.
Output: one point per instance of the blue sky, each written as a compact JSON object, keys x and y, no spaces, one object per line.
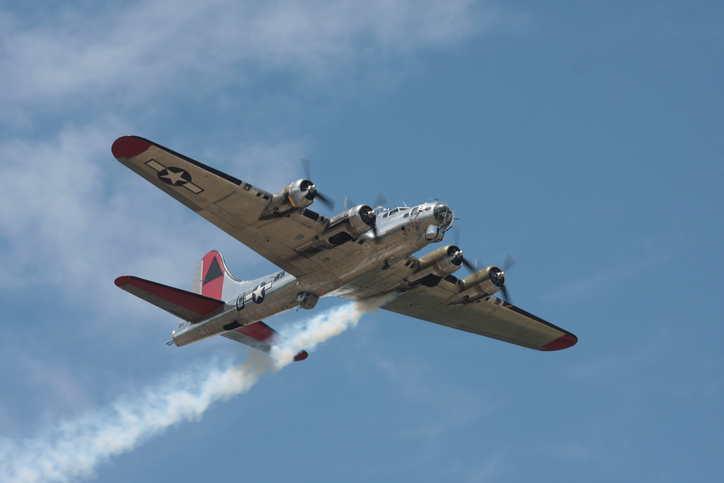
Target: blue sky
{"x":585,"y":139}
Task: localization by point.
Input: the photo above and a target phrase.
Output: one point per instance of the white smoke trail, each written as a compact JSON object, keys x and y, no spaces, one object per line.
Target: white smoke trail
{"x":309,"y":334}
{"x":73,"y":449}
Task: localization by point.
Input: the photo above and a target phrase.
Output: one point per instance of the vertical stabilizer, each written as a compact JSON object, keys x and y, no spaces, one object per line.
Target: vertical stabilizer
{"x":211,"y":275}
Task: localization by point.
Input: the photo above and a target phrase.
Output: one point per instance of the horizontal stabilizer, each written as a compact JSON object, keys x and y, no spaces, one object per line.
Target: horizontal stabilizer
{"x":259,"y":336}
{"x":189,"y":306}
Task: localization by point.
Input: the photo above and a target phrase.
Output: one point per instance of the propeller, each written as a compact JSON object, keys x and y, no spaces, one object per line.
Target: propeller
{"x":507,"y":264}
{"x":326,"y":201}
{"x":381,"y":200}
{"x":456,"y":237}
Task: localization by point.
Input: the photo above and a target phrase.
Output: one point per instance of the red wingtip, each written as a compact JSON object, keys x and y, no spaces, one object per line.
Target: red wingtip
{"x":301,"y":356}
{"x":121,"y":281}
{"x":563,"y":342}
{"x":129,"y":146}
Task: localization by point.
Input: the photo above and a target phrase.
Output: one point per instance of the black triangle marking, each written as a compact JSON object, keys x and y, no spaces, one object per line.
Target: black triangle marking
{"x":214,"y":272}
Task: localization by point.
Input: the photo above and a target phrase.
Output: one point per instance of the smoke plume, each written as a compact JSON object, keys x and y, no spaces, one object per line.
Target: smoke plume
{"x":73,"y":449}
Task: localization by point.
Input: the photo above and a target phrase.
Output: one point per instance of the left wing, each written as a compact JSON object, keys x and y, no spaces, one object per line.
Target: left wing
{"x":236,"y":207}
{"x":488,"y":316}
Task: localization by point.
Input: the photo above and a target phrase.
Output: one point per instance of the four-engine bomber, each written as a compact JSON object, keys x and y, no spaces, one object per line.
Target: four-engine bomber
{"x":360,"y":253}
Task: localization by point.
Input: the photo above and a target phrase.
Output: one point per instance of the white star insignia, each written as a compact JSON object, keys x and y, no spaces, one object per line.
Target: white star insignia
{"x":174,"y":177}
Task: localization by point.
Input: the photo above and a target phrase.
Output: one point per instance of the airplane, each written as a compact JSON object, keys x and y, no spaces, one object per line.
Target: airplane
{"x":358,"y":254}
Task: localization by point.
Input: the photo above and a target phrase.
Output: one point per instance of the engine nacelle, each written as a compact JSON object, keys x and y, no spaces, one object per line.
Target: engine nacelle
{"x":349,"y":225}
{"x":480,"y":284}
{"x":292,"y":197}
{"x":438,"y":264}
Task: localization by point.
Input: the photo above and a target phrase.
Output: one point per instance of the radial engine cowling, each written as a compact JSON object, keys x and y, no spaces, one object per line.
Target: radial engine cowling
{"x":439,"y":264}
{"x":350,"y":224}
{"x":293,"y":196}
{"x":481,"y":283}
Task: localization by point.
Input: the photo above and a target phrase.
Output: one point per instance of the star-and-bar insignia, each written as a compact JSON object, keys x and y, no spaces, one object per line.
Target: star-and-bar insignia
{"x":174,"y":176}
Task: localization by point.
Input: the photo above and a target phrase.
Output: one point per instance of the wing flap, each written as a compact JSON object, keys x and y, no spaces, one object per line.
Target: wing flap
{"x":187,"y":305}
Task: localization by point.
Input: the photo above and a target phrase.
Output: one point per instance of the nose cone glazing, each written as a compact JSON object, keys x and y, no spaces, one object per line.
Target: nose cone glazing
{"x":443,"y":215}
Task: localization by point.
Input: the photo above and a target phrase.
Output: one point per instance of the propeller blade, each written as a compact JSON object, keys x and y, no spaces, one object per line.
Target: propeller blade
{"x":328,"y":202}
{"x":348,"y":203}
{"x":506,"y":295}
{"x":307,"y":167}
{"x":468,"y":265}
{"x":508,"y":263}
{"x":381,"y":200}
{"x":456,"y":234}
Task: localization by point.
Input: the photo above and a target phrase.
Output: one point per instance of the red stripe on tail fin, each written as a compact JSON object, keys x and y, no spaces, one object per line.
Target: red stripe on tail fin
{"x":212,"y":276}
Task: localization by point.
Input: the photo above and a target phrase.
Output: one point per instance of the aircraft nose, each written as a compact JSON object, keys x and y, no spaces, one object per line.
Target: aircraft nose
{"x":443,"y":215}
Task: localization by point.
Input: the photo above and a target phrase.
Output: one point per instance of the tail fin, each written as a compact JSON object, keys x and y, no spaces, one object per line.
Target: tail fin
{"x":211,"y":275}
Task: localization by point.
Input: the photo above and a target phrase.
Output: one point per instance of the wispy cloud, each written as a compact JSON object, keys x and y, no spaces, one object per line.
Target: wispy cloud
{"x":156,"y":46}
{"x":153,"y":44}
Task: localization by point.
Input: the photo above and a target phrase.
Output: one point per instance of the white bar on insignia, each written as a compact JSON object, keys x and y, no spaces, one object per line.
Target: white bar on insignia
{"x":193,"y":188}
{"x":155,"y":165}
